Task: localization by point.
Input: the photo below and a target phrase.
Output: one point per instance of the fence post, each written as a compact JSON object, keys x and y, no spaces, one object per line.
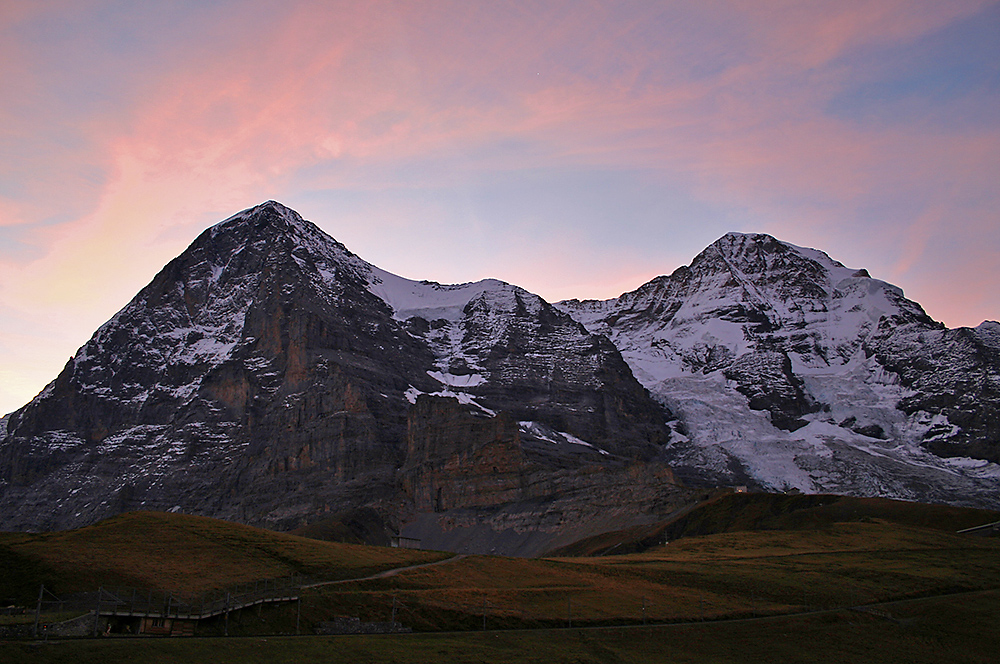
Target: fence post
{"x":38,"y":611}
{"x":226,"y":632}
{"x":97,"y":610}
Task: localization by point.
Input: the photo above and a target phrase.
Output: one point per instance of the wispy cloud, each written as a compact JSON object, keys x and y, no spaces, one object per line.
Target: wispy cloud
{"x":499,"y":138}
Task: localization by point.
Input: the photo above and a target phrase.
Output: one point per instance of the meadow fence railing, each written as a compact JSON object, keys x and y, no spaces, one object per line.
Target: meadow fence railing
{"x":140,"y":602}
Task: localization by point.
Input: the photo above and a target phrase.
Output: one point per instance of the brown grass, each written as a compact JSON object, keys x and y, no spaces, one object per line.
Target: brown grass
{"x":728,"y":513}
{"x":730,"y":574}
{"x":192,"y":554}
{"x":950,"y":629}
{"x":733,"y":574}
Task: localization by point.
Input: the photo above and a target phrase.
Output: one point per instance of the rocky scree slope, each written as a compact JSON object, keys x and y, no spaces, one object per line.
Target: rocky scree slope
{"x":267,"y":375}
{"x":788,"y":370}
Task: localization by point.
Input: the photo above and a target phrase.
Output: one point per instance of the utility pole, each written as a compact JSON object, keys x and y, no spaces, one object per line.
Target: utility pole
{"x":38,"y":611}
{"x":643,"y":610}
{"x":569,"y":612}
{"x":298,"y":615}
{"x":97,"y":610}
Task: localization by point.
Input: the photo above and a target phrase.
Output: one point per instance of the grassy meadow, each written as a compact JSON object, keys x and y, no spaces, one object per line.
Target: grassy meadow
{"x":184,"y":554}
{"x":787,"y":593}
{"x":727,"y":575}
{"x":955,"y":629}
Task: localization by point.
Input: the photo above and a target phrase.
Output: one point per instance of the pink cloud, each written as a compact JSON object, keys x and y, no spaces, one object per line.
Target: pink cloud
{"x":313,"y":90}
{"x":319,"y":95}
{"x":809,"y":35}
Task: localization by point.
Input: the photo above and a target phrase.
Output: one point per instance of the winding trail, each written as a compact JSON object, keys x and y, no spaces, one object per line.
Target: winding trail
{"x":387,"y":573}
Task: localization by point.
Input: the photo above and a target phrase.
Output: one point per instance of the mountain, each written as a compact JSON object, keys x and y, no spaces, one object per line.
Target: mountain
{"x":267,"y":375}
{"x":787,"y":370}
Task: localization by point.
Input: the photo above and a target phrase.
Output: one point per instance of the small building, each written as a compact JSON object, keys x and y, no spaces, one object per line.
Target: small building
{"x":400,"y":542}
{"x":10,"y":608}
{"x":167,"y":627}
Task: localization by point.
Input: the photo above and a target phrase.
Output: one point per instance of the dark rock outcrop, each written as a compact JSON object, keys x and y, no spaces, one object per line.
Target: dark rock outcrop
{"x":766,"y":380}
{"x":477,"y":488}
{"x":952,"y":374}
{"x":456,"y":458}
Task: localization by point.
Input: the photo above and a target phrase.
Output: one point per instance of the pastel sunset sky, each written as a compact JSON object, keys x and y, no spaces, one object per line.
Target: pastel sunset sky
{"x":576,"y":149}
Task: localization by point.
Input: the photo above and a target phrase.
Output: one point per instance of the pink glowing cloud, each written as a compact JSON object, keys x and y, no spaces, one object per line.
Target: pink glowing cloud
{"x":726,"y":102}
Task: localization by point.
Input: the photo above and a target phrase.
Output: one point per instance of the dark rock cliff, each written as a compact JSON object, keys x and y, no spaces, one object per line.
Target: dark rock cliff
{"x":476,"y":487}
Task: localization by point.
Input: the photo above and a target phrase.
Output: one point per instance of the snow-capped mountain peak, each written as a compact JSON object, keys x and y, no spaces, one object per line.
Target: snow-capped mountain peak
{"x":814,"y":348}
{"x":428,"y":299}
{"x":268,"y":373}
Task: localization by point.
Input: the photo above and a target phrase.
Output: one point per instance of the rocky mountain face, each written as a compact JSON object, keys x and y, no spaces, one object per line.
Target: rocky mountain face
{"x":953,"y":376}
{"x":495,"y":485}
{"x":458,"y":459}
{"x":268,"y":375}
{"x":787,"y":370}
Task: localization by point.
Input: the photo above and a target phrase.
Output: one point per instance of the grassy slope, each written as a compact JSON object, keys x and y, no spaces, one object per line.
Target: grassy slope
{"x":186,"y":554}
{"x":826,"y":563}
{"x":754,"y":512}
{"x":728,"y":574}
{"x":953,"y":629}
{"x":360,"y":526}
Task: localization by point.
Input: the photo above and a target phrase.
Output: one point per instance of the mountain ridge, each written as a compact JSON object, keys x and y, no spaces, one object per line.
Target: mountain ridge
{"x":817,"y":346}
{"x":269,"y":375}
{"x":259,"y":378}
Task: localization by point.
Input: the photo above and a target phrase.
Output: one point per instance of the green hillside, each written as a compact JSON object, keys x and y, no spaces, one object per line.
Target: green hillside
{"x":737,"y":512}
{"x":726,"y":575}
{"x":949,"y":629}
{"x":843,"y":580}
{"x":175,"y":552}
{"x":805,"y":563}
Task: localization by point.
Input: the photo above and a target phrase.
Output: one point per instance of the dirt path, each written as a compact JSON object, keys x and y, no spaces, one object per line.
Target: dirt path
{"x":386,"y":573}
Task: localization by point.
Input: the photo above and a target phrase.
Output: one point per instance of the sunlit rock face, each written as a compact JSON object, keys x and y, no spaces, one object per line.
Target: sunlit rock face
{"x":266,"y":375}
{"x":787,"y":369}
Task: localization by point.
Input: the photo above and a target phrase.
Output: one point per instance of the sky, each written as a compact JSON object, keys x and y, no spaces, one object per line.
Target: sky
{"x":576,"y":149}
